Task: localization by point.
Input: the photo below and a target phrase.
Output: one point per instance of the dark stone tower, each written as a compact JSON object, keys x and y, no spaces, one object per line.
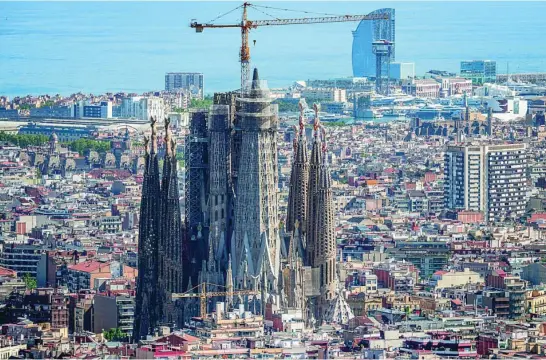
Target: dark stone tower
{"x":147,"y":314}
{"x":197,"y":196}
{"x":170,"y":245}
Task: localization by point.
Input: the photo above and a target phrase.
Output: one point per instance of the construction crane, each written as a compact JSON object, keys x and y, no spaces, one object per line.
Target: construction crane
{"x":246,"y":25}
{"x":203,"y":295}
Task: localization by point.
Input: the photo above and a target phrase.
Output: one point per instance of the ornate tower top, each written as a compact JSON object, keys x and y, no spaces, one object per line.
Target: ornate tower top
{"x":168,"y":138}
{"x":146,"y":144}
{"x":316,"y":108}
{"x":153,"y":148}
{"x":301,"y":122}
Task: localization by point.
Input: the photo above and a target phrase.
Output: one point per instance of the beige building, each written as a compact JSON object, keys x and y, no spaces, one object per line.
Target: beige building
{"x":447,"y":279}
{"x":8,"y":351}
{"x":535,"y":302}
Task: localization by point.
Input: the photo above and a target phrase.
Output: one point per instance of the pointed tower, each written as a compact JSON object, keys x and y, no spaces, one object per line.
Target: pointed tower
{"x":320,"y":238}
{"x":147,"y":312}
{"x":297,"y":195}
{"x":313,"y":178}
{"x":256,"y":238}
{"x":170,"y":245}
{"x":324,"y":231}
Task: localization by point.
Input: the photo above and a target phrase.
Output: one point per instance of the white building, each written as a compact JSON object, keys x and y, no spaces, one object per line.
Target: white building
{"x":494,"y":90}
{"x":487,"y":178}
{"x":143,"y":108}
{"x":326,"y":94}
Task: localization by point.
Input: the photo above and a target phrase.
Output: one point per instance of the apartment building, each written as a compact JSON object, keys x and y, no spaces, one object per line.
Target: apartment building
{"x":192,"y":83}
{"x":486,"y":178}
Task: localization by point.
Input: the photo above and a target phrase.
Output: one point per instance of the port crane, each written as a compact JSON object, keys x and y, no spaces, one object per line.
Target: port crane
{"x":203,"y":295}
{"x":246,"y":25}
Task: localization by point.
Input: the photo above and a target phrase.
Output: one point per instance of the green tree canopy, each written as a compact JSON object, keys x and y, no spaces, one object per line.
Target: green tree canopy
{"x":83,"y":145}
{"x":200,"y":104}
{"x":30,"y":282}
{"x":22,"y":140}
{"x":114,"y":334}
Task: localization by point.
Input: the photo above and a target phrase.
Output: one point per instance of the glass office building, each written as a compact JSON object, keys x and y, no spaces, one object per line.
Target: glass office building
{"x":367,"y":32}
{"x":479,"y":71}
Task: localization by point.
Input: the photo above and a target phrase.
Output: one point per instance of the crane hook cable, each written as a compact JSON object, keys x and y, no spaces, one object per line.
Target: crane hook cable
{"x":220,"y":16}
{"x":301,"y":11}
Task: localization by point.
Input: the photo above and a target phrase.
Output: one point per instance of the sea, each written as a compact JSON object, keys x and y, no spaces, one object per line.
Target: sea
{"x":95,"y":47}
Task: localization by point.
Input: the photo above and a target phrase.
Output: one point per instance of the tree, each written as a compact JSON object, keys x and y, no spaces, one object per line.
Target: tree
{"x":201,"y":104}
{"x":30,"y":282}
{"x":83,"y":145}
{"x":114,"y":334}
{"x":23,"y":140}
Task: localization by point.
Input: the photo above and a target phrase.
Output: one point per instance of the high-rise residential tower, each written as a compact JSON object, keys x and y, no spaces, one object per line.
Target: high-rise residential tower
{"x":368,"y":31}
{"x":193,"y":83}
{"x":487,"y":178}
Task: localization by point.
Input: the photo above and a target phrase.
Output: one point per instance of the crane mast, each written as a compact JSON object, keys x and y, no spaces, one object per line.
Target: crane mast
{"x":246,"y":25}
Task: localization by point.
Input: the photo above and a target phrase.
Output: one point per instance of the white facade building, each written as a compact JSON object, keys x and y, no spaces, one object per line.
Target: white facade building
{"x":336,"y":95}
{"x":494,"y":90}
{"x":143,"y":108}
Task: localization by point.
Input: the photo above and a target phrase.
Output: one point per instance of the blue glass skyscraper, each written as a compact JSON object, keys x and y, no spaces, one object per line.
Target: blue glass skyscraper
{"x":367,"y":32}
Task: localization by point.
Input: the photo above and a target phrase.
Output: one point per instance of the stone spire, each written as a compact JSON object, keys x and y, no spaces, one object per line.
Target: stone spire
{"x":147,"y":316}
{"x":297,"y":196}
{"x":324,"y":224}
{"x":314,"y":167}
{"x":170,"y":245}
{"x":320,"y":236}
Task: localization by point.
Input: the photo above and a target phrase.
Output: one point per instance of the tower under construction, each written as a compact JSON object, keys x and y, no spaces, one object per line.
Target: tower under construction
{"x":255,"y":245}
